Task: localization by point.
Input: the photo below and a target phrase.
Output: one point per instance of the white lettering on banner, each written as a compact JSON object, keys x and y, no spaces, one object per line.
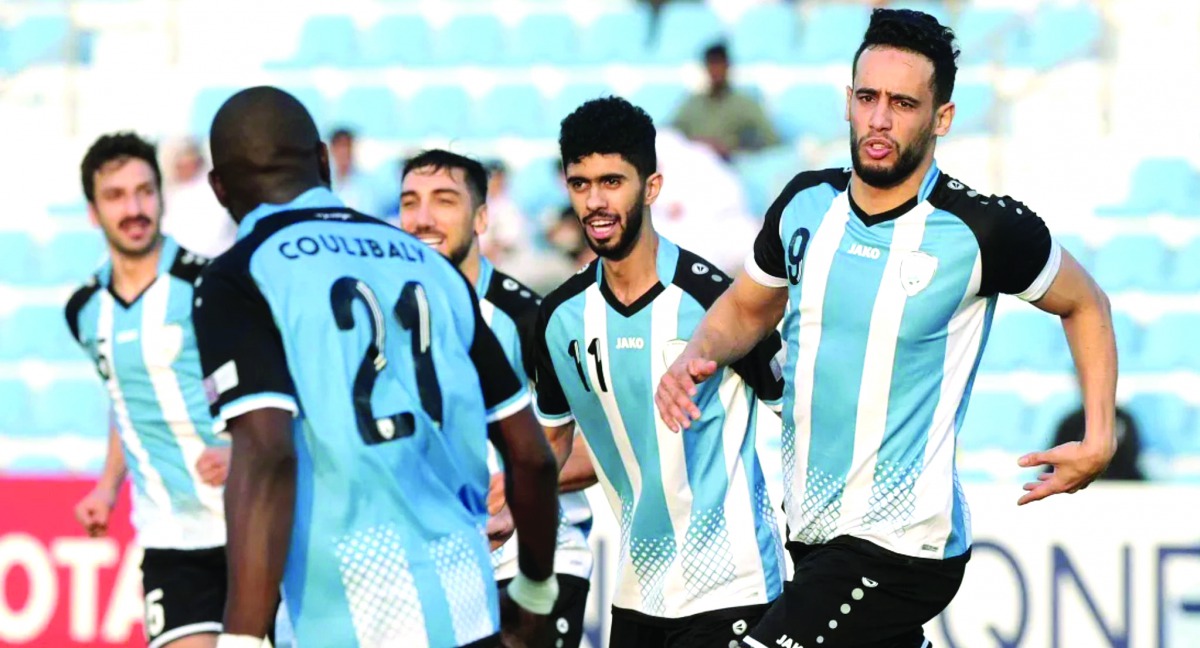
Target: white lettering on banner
{"x":21,"y":551}
{"x":83,"y":557}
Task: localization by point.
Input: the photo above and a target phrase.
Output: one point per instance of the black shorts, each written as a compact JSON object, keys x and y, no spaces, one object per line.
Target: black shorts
{"x":567,"y":615}
{"x":185,"y":592}
{"x":716,"y":629}
{"x":851,"y":593}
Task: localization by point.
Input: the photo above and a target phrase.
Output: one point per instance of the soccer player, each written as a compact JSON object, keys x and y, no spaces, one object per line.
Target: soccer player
{"x":443,"y":203}
{"x":134,"y":318}
{"x":359,"y":383}
{"x":886,"y":276}
{"x":700,"y":553}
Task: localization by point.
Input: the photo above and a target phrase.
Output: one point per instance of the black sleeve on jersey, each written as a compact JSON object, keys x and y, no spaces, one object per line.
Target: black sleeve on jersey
{"x":1014,"y":242}
{"x":520,"y":303}
{"x":76,"y":303}
{"x":497,"y":379}
{"x":188,"y":265}
{"x":705,"y":283}
{"x":768,"y":246}
{"x":237,"y":336}
{"x":551,"y":400}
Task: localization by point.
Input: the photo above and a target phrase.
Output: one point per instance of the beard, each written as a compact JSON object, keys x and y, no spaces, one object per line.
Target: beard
{"x":908,"y":158}
{"x":631,"y":232}
{"x":456,"y":255}
{"x":135,"y":250}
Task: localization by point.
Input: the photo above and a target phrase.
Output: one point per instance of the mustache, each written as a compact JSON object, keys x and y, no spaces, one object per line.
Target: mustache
{"x":601,"y":214}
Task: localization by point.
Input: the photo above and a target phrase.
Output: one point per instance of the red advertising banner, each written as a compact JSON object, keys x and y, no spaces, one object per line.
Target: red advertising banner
{"x":60,"y":587}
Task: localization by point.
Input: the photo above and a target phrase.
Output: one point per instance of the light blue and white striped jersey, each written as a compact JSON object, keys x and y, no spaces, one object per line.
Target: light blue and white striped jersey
{"x":886,"y":321}
{"x":510,"y":309}
{"x":145,"y":352}
{"x":697,"y":530}
{"x":378,"y":346}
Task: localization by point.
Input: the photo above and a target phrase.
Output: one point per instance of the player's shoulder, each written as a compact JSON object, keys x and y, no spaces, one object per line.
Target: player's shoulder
{"x":570,"y":289}
{"x":983,"y":213}
{"x":511,"y":297}
{"x":835,"y":178}
{"x":79,"y":300}
{"x":699,"y":278}
{"x":188,"y":265}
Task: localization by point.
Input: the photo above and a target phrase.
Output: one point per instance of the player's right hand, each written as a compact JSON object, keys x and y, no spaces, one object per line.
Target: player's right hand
{"x":677,"y":389}
{"x":520,"y":628}
{"x":92,"y":511}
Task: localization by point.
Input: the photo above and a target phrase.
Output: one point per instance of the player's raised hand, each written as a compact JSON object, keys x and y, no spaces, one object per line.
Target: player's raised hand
{"x":520,"y":628}
{"x":677,"y":389}
{"x":93,"y":510}
{"x":1075,"y":465}
{"x":213,"y":465}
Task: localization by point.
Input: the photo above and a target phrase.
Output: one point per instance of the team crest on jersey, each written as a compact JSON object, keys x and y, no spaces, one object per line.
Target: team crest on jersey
{"x":916,"y":271}
{"x":672,"y":350}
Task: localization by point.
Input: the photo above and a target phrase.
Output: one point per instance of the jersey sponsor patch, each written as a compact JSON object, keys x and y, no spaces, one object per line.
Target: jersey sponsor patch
{"x":916,"y":271}
{"x":221,"y":381}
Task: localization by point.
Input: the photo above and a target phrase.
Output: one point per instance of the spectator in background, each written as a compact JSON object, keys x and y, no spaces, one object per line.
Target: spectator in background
{"x":505,"y":235}
{"x":725,"y":119}
{"x":193,"y":216}
{"x":351,"y":186}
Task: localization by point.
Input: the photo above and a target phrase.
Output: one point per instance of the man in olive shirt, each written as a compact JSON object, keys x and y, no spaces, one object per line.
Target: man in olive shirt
{"x":725,"y":119}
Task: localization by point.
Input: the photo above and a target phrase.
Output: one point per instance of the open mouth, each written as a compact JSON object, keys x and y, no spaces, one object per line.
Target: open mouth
{"x":431,"y":239}
{"x":601,"y":227}
{"x":137,"y":227}
{"x":877,"y":148}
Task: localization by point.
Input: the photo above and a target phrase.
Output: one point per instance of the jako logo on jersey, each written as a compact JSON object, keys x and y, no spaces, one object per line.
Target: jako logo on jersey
{"x":787,"y":642}
{"x":865,"y":251}
{"x":631,"y":343}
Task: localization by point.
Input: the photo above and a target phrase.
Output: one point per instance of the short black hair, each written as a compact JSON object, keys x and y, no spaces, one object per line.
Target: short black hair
{"x":919,"y":33}
{"x":341,"y":133}
{"x":438,"y":159}
{"x":111,"y":148}
{"x":609,"y":125}
{"x":718,"y":50}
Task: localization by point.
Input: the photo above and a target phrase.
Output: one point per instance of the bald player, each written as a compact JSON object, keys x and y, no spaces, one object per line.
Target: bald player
{"x":360,"y":384}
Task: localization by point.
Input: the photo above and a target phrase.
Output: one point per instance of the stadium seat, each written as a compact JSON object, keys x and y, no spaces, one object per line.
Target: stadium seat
{"x":398,"y":39}
{"x":1165,"y":421}
{"x":325,"y":40}
{"x":38,"y":332}
{"x":538,"y":186}
{"x":1059,"y":34}
{"x":1168,"y":344}
{"x":36,"y":40}
{"x":974,"y":112}
{"x":833,"y":33}
{"x":17,"y":259}
{"x":36,"y":463}
{"x":437,"y":110}
{"x":87,"y":415}
{"x":763,"y":174}
{"x":470,"y":39}
{"x":371,"y":111}
{"x":571,"y":97}
{"x":996,"y":420}
{"x":72,"y":257}
{"x":990,"y":35}
{"x":813,"y":110}
{"x":660,"y":100}
{"x":1131,"y":262}
{"x":1160,"y":185}
{"x":512,"y":111}
{"x":617,"y":37}
{"x":544,"y":39}
{"x":684,"y":30}
{"x":1185,"y":271}
{"x":1026,"y":340}
{"x":765,"y":34}
{"x":14,"y":408}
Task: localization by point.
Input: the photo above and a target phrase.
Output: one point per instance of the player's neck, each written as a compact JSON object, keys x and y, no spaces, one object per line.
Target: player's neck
{"x":132,"y":275}
{"x":631,"y":277}
{"x":471,"y":265}
{"x":877,"y":200}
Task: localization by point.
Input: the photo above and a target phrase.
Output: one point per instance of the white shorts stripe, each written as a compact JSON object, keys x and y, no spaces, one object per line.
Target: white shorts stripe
{"x":185,"y":631}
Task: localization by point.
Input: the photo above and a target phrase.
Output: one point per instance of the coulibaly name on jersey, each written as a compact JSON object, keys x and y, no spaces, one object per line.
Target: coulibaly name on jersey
{"x":307,"y":246}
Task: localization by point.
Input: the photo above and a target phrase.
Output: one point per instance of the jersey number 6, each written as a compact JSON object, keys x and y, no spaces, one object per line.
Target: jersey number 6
{"x":412,"y":312}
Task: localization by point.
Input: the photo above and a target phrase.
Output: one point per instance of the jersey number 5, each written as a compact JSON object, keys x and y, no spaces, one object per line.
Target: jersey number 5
{"x":412,"y":312}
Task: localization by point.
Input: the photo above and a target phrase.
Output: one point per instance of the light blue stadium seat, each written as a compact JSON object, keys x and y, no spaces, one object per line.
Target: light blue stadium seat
{"x":1169,"y":344}
{"x":76,"y":406}
{"x":325,"y":40}
{"x":72,"y":257}
{"x":571,"y":97}
{"x":512,"y":111}
{"x":764,"y":173}
{"x":1026,"y":340}
{"x":1059,"y":34}
{"x":765,"y":33}
{"x":438,"y":110}
{"x":398,"y":39}
{"x":974,"y":109}
{"x":813,"y":110}
{"x":988,"y":35}
{"x":1185,"y":271}
{"x":15,"y":399}
{"x":996,"y":420}
{"x":617,"y":37}
{"x":1160,"y":185}
{"x":39,"y":332}
{"x":1131,"y":262}
{"x":684,"y":30}
{"x":833,"y":33}
{"x":1165,"y":421}
{"x":18,"y":259}
{"x":36,"y":40}
{"x":538,"y":186}
{"x":371,"y":111}
{"x":470,"y":39}
{"x":544,"y":39}
{"x":660,"y":100}
{"x":35,"y":464}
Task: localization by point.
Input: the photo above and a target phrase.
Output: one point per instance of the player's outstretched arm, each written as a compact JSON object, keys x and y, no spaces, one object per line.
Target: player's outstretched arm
{"x":737,"y":321}
{"x":259,"y":497}
{"x":1087,"y":320}
{"x":93,"y":510}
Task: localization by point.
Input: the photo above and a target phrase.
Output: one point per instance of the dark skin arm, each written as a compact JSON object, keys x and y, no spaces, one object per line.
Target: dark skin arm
{"x":531,"y":487}
{"x":260,"y":494}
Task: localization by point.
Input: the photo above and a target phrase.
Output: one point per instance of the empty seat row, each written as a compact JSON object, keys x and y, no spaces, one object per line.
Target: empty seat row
{"x":69,"y":257}
{"x":1157,"y":186}
{"x":73,"y":406}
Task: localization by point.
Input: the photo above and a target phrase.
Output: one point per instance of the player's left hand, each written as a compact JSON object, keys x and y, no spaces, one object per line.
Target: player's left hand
{"x":677,"y":388}
{"x":213,"y":465}
{"x":1075,"y":465}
